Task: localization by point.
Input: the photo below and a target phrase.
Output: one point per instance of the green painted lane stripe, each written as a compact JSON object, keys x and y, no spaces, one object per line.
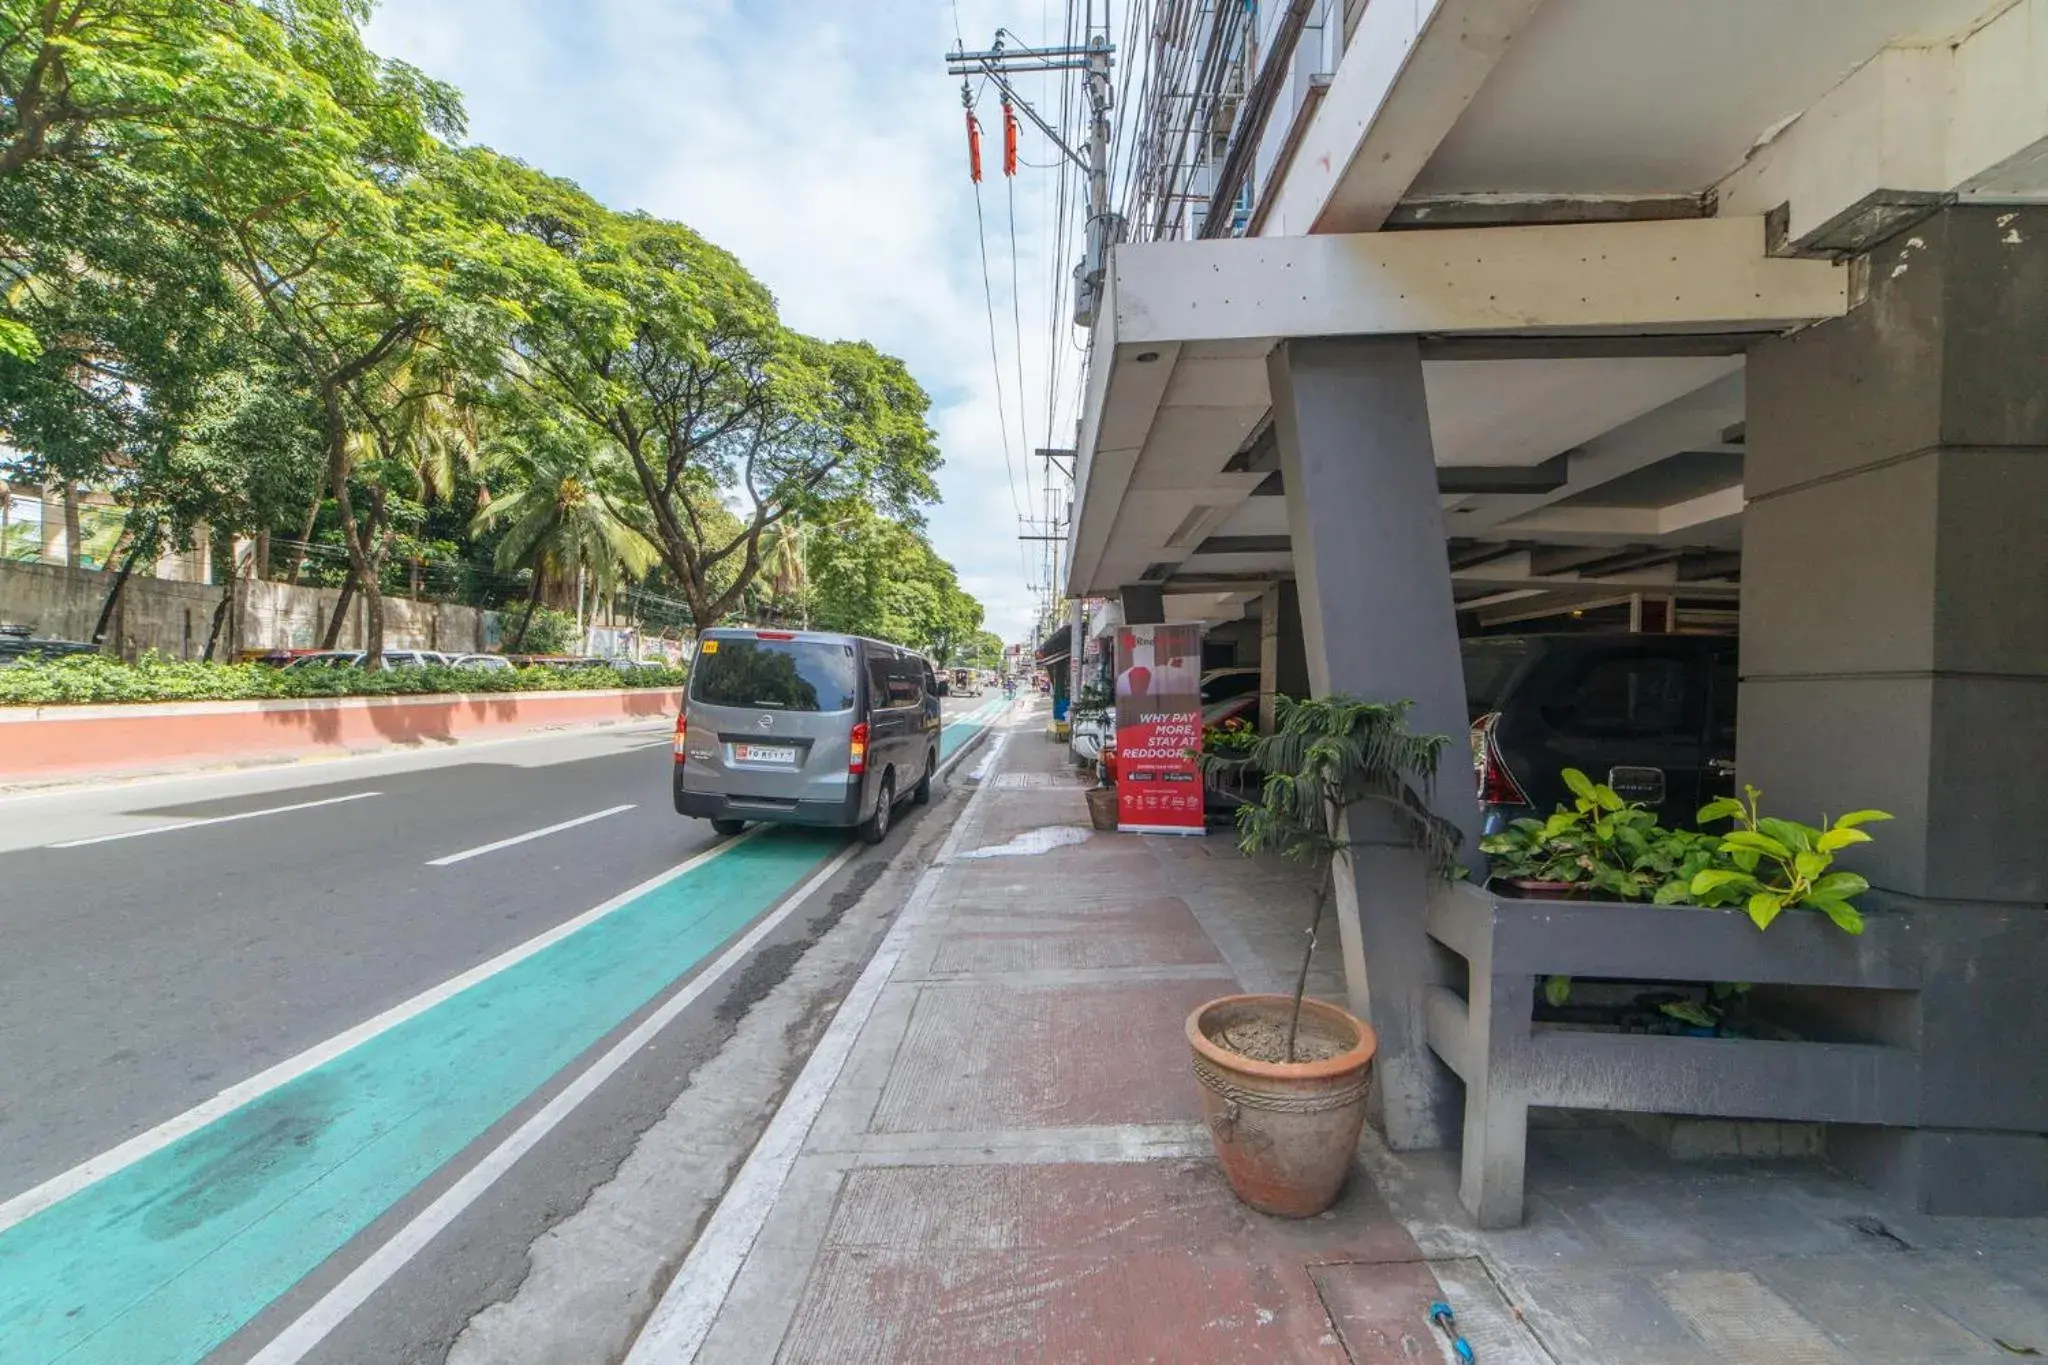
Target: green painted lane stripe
{"x":165,"y":1259}
{"x":162,"y":1261}
{"x":960,"y":731}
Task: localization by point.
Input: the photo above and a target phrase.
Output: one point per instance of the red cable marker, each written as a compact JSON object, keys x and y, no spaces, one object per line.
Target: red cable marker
{"x":1009,"y":139}
{"x":973,"y":147}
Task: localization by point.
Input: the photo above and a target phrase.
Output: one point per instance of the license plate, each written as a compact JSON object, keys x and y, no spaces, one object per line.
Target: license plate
{"x":764,"y":753}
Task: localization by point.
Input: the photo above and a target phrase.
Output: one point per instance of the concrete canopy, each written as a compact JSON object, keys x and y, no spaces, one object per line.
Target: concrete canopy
{"x":1616,"y":193}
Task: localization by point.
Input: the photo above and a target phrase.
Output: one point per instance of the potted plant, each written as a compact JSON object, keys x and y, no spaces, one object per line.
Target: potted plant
{"x":1283,"y":1078}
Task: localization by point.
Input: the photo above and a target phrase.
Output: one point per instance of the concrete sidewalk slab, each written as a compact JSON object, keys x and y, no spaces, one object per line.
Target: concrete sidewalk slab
{"x":1010,"y":1166}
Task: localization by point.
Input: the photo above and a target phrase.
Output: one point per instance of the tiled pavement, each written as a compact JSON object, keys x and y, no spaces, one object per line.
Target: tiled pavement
{"x":1010,"y":1167}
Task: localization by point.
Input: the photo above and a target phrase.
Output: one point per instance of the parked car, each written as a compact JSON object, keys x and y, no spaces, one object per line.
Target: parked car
{"x":1652,"y":716}
{"x":329,"y":658}
{"x":416,"y":658}
{"x":18,"y":641}
{"x":1229,"y":692}
{"x":484,"y":663}
{"x":805,"y":728}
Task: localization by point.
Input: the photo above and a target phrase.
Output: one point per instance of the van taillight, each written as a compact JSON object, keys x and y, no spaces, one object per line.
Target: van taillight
{"x":682,"y":733}
{"x":1497,"y":786}
{"x":857,"y":749}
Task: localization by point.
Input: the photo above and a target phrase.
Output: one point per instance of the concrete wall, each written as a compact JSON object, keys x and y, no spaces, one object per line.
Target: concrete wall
{"x":173,"y":618}
{"x":59,"y":743}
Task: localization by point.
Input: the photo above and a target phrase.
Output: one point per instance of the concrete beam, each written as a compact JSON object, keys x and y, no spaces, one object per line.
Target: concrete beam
{"x":1706,"y":275}
{"x":1903,"y":134}
{"x":1408,"y":72}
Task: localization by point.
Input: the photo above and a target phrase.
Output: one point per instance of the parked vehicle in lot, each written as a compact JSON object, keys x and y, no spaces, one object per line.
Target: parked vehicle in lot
{"x":18,"y":642}
{"x":484,"y":663}
{"x":1652,"y":716}
{"x":805,"y":728}
{"x":329,"y":658}
{"x":1229,"y":692}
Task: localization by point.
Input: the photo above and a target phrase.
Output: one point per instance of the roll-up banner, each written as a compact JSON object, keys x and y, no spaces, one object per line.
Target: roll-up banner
{"x":1158,"y":729}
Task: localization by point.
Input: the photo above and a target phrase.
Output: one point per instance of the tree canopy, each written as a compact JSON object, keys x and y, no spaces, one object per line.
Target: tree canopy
{"x":250,"y":280}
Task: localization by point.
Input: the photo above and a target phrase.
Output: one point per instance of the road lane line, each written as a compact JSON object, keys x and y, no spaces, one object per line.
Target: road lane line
{"x":211,"y":820}
{"x":674,"y":1333}
{"x":314,"y":1325}
{"x":482,"y":849}
{"x":306,"y":1333}
{"x":95,"y":1169}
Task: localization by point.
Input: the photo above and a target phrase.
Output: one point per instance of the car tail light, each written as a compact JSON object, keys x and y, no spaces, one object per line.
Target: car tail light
{"x":1497,"y":786}
{"x":682,"y":733}
{"x":857,"y":750}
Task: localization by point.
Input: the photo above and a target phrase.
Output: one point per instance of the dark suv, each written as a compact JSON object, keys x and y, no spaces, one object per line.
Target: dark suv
{"x":1653,"y":716}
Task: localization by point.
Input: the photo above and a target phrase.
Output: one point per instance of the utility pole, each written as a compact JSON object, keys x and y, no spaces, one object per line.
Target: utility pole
{"x":998,"y":63}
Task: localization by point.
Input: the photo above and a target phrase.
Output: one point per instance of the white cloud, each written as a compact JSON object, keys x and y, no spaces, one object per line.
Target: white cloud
{"x":822,"y":143}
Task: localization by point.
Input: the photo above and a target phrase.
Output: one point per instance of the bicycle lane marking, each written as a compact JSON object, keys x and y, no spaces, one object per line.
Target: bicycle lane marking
{"x":164,"y":1259}
{"x":159,"y":1259}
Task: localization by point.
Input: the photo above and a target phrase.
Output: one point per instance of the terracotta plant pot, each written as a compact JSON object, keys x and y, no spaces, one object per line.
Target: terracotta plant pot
{"x":1533,"y":889}
{"x":1102,"y":808}
{"x":1286,"y":1132}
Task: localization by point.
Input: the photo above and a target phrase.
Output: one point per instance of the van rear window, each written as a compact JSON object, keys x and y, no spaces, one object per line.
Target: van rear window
{"x":784,"y":675}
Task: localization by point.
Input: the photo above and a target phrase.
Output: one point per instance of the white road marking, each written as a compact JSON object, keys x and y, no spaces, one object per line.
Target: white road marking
{"x":314,"y":1325}
{"x":676,"y":1330}
{"x":311,"y":1328}
{"x":98,"y":1168}
{"x":482,"y":849}
{"x":211,"y":820}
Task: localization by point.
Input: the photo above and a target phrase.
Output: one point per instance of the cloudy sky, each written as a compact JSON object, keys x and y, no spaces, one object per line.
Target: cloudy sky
{"x":823,"y":143}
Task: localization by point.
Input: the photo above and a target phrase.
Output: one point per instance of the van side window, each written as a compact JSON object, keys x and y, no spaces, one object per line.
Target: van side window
{"x":1628,"y":696}
{"x":878,"y":683}
{"x":906,"y":682}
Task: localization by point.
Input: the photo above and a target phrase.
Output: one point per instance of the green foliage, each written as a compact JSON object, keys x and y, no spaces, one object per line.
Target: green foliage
{"x":1234,"y":738}
{"x":1325,"y":757}
{"x":92,"y":678}
{"x":1770,"y":865}
{"x":1617,"y":848}
{"x":250,"y":280}
{"x":550,"y":632}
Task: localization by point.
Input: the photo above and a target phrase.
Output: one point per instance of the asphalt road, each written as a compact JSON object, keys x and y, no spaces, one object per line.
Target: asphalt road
{"x":387,"y":976}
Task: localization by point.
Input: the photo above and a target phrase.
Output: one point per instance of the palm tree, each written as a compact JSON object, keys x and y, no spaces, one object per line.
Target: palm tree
{"x":785,"y":561}
{"x":558,"y":520}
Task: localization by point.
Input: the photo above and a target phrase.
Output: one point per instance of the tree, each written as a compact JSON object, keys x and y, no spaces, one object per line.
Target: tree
{"x":665,"y":347}
{"x":559,"y":520}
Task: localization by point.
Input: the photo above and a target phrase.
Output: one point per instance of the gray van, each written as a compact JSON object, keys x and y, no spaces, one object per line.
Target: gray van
{"x":803,"y":728}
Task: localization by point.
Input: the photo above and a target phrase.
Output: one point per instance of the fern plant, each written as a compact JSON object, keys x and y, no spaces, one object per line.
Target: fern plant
{"x":1325,"y":757}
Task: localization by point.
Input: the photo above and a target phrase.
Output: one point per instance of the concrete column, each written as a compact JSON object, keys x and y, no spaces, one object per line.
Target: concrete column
{"x":1895,"y":644}
{"x":1378,"y":622}
{"x":1269,"y":656}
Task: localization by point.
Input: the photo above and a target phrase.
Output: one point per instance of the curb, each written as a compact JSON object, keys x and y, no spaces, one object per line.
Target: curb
{"x":676,"y":1330}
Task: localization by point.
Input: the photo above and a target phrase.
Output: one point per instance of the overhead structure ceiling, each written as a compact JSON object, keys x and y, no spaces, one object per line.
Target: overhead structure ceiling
{"x":1583,"y":362}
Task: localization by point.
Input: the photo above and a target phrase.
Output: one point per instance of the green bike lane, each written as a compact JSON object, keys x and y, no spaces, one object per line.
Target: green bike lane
{"x":167,"y":1257}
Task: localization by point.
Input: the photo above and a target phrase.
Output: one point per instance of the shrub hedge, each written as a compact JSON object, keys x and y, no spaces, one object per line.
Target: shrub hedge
{"x":88,"y":678}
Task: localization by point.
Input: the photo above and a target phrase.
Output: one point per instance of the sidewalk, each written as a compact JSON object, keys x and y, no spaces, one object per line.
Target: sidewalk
{"x":996,"y":1155}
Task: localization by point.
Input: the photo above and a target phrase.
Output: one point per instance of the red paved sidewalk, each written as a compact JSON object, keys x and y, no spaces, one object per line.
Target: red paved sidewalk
{"x":1010,"y":1165}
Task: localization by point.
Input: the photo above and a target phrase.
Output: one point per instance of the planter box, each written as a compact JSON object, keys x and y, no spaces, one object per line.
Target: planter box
{"x":1916,"y":1001}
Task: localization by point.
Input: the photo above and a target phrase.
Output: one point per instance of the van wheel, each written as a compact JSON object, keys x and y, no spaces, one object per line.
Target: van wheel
{"x":921,"y":794}
{"x":728,"y":827}
{"x":875,"y":828}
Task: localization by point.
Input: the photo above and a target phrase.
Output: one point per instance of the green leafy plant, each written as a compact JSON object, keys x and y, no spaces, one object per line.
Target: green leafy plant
{"x":85,"y":679}
{"x":1603,"y":843}
{"x":1325,"y":757}
{"x":1235,"y":736}
{"x":1769,"y":865}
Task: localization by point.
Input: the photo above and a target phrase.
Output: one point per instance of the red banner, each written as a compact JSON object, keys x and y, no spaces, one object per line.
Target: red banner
{"x":1158,"y":729}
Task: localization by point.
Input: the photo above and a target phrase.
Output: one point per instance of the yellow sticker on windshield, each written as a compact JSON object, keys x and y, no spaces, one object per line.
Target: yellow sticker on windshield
{"x":708,"y":647}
